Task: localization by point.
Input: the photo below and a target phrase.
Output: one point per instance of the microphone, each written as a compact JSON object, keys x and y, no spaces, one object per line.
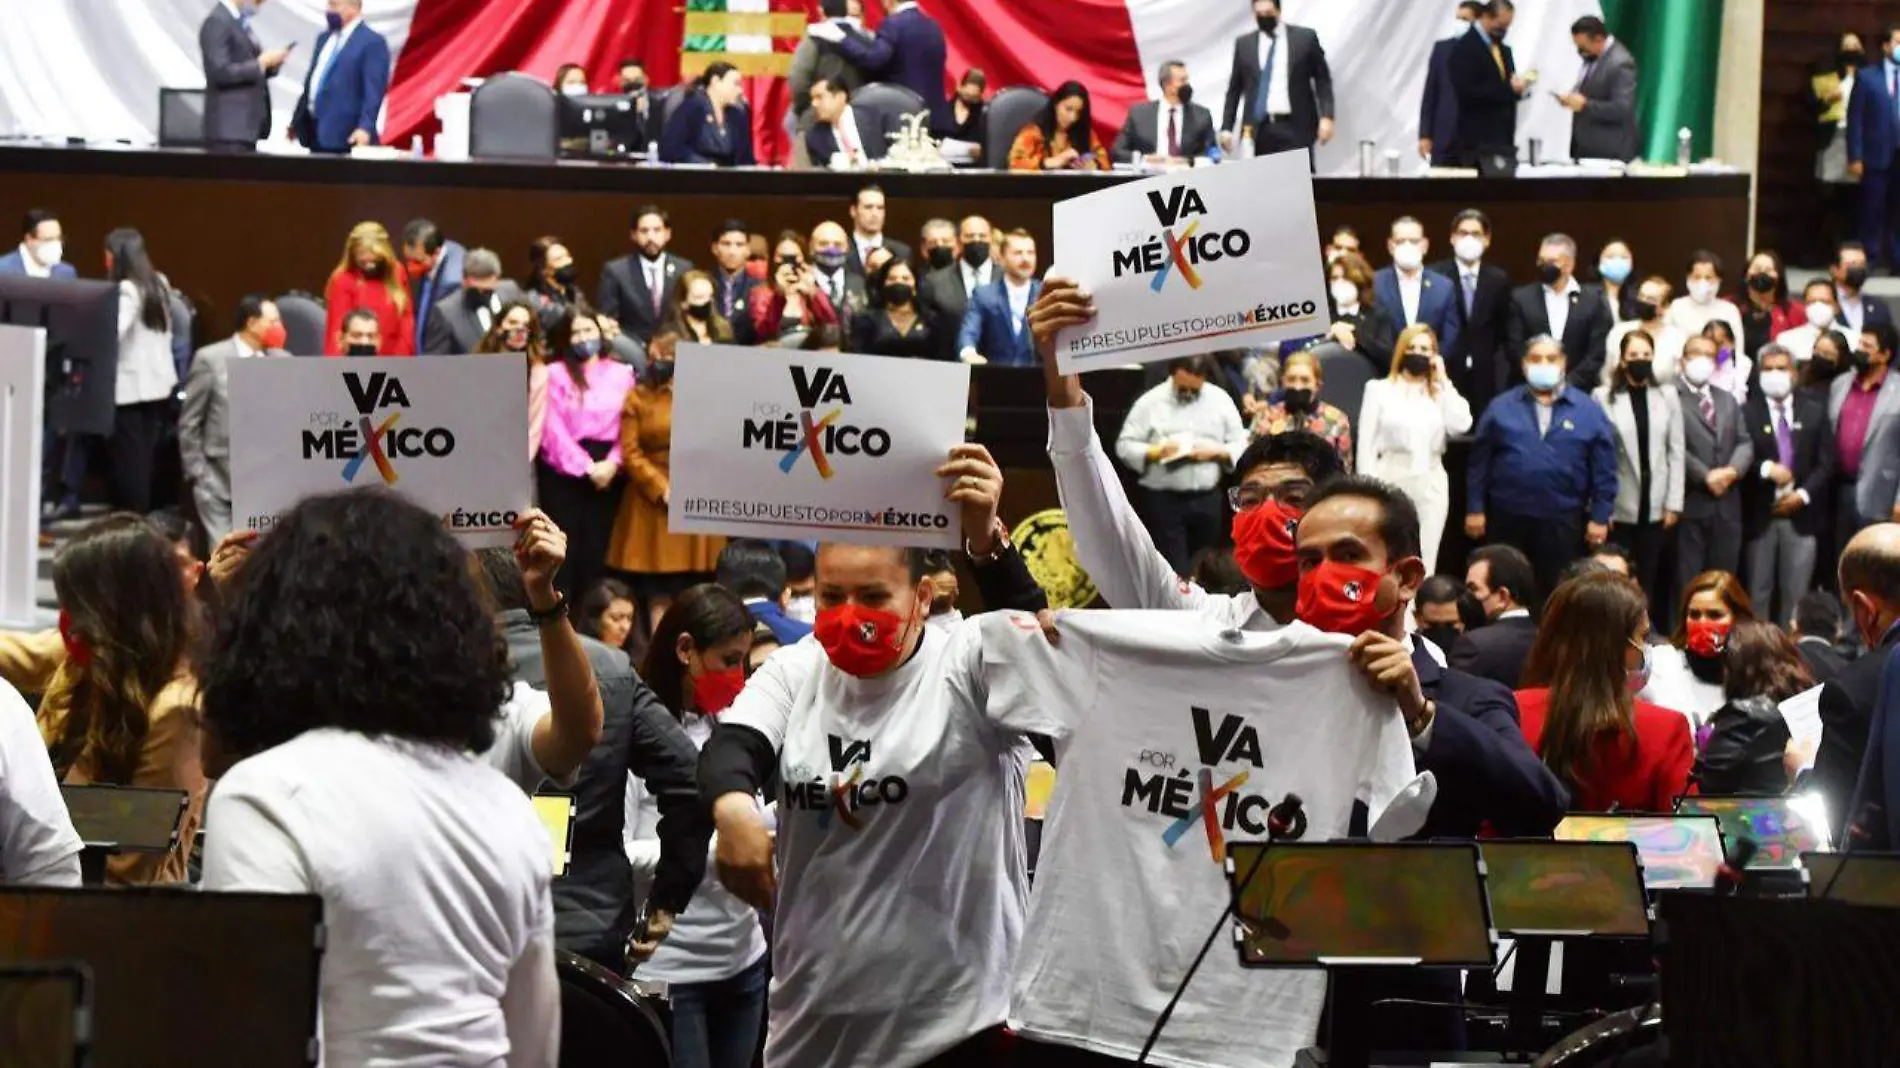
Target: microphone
{"x":1286,"y":822}
{"x":1729,"y":877}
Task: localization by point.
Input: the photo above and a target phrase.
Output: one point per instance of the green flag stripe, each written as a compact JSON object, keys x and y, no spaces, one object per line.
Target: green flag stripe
{"x":704,"y":42}
{"x":1677,"y":46}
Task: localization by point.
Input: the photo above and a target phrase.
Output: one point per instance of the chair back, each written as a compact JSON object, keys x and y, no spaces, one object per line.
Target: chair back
{"x":181,"y":118}
{"x":603,"y":1022}
{"x":886,"y":102}
{"x":666,"y":102}
{"x":1344,"y":375}
{"x":513,"y":116}
{"x":303,"y":317}
{"x":1008,"y":112}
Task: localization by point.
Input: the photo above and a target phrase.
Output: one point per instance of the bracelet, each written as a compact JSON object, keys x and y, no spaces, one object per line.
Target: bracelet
{"x":557,"y":610}
{"x":1000,"y":545}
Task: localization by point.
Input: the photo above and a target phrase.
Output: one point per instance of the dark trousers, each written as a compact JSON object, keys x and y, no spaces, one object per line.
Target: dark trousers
{"x":1709,"y":542}
{"x":1282,"y":136}
{"x":137,"y":430}
{"x":585,"y":515}
{"x":717,"y":1025}
{"x":1551,"y":541}
{"x":1043,"y":1055}
{"x":985,"y":1049}
{"x":1645,"y":543}
{"x":62,"y":467}
{"x":1880,"y":212}
{"x":1183,"y":524}
{"x":1847,"y":523}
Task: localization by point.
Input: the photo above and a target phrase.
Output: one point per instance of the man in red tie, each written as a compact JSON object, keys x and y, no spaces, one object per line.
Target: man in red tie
{"x":1173,"y":129}
{"x":842,"y":138}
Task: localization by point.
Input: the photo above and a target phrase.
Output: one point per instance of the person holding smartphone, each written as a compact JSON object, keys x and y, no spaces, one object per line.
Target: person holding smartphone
{"x":783,"y":312}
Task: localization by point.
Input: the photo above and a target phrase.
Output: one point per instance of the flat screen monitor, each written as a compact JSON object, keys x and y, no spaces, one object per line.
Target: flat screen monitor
{"x":1854,"y":878}
{"x":601,"y":126}
{"x":44,"y":1015}
{"x":127,"y":818}
{"x":1782,"y":828}
{"x":1354,"y":903}
{"x":1566,"y":889}
{"x":82,"y":345}
{"x":1679,"y":852}
{"x":212,"y":980}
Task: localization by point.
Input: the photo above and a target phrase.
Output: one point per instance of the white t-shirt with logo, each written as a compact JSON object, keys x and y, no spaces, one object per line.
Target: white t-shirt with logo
{"x":902,"y":873}
{"x":1151,"y":713}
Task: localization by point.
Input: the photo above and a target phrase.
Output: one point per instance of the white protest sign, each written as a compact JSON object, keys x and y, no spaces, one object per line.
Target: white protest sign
{"x":1193,"y":261}
{"x":449,"y":434}
{"x":773,"y":443}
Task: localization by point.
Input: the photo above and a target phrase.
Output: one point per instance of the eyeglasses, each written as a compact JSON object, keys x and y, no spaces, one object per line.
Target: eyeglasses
{"x":1250,"y":495}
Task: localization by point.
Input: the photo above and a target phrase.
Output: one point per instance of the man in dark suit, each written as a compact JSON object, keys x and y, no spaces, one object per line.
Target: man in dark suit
{"x":1485,"y":81}
{"x":996,"y":325}
{"x":1476,"y":361}
{"x":343,"y":93}
{"x":237,"y":68}
{"x":1281,"y":90}
{"x":755,"y":571}
{"x":463,"y":316}
{"x":1172,"y":128}
{"x":867,"y":231}
{"x":1849,"y":271}
{"x":1717,"y":451}
{"x":1503,"y":581}
{"x":732,"y":283}
{"x":947,"y":290}
{"x":830,"y":258}
{"x":1410,"y":292}
{"x":908,"y":49}
{"x":840,"y":130}
{"x":1870,"y":584}
{"x":1438,"y":110}
{"x":1873,"y":150}
{"x":1817,"y":627}
{"x":1784,"y":503}
{"x":637,"y":290}
{"x":435,"y":267}
{"x":1603,"y":104}
{"x":42,"y":251}
{"x":1558,"y":306}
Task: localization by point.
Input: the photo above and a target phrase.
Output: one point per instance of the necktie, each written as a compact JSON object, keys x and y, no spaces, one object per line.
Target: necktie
{"x":1497,"y":56}
{"x":422,"y":304}
{"x":1174,"y":137}
{"x":1784,"y":438}
{"x":1893,"y":90}
{"x":848,"y":140}
{"x":1707,"y":406}
{"x":1266,"y":82}
{"x":658,"y":289}
{"x":1470,"y":281}
{"x":329,"y":61}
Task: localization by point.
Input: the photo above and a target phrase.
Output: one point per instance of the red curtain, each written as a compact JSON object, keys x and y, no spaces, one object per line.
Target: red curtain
{"x":1045,"y":43}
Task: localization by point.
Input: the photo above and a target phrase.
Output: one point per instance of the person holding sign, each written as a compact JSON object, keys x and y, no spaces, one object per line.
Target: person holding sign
{"x":578,"y":476}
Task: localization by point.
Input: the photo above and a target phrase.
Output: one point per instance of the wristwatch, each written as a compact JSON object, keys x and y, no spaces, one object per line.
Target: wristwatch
{"x":999,"y":546}
{"x":555,"y":611}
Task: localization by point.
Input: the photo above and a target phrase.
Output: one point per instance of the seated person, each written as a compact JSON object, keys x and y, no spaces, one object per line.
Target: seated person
{"x":1172,"y":129}
{"x":843,"y":138}
{"x":713,"y":124}
{"x":754,"y":570}
{"x":1061,"y":138}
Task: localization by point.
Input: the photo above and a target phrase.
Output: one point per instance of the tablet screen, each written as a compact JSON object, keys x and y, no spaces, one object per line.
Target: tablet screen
{"x":1334,"y":903}
{"x":1781,"y":830}
{"x":1679,"y":852}
{"x":1856,"y":878}
{"x":557,"y":815}
{"x":131,"y":819}
{"x":1565,"y":888}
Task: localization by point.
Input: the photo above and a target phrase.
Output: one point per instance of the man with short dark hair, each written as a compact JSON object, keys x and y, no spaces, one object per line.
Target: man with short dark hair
{"x":1784,"y":503}
{"x":1410,"y":293}
{"x":1716,"y":452}
{"x":939,"y":246}
{"x":1438,"y":611}
{"x":1501,"y":579}
{"x":843,"y":138}
{"x":1849,"y":272}
{"x":204,"y":421}
{"x":435,"y":267}
{"x":1862,"y":407}
{"x":1173,"y":129}
{"x":1476,"y":361}
{"x":1817,"y":626}
{"x":237,"y":69}
{"x":868,"y":210}
{"x":1280,"y":92}
{"x":362,"y":333}
{"x":637,"y":289}
{"x":908,"y":50}
{"x":1179,"y":438}
{"x":1603,"y":103}
{"x":754,"y":570}
{"x":42,"y":251}
{"x":732,"y":283}
{"x":634,"y":86}
{"x":947,"y":290}
{"x":996,"y":326}
{"x":1557,"y":305}
{"x":1438,"y":110}
{"x":343,"y":91}
{"x":1873,"y":150}
{"x":463,"y":317}
{"x":1485,"y":80}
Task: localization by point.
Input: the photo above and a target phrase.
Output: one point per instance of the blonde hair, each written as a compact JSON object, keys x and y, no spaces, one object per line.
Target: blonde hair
{"x":1306,"y":357}
{"x":374,"y":238}
{"x":1406,"y":337}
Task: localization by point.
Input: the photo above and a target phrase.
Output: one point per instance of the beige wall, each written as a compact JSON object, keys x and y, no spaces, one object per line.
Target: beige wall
{"x":1738,"y":90}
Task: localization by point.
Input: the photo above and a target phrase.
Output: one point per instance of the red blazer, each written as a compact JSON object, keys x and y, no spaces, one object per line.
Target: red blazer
{"x":348,"y":291}
{"x":1643,"y":775}
{"x":768,"y":307}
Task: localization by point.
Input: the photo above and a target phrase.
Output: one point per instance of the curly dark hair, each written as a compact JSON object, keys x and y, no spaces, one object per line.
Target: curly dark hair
{"x":357,"y":611}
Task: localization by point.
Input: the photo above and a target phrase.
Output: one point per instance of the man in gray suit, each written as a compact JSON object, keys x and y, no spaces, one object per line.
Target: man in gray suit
{"x":1862,"y":407}
{"x":237,"y":68}
{"x":1603,"y":104}
{"x":204,"y":423}
{"x":462,"y":316}
{"x":1716,"y":449}
{"x":1172,"y":128}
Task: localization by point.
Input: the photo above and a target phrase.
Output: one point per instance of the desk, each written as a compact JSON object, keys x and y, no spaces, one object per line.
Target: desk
{"x":223,"y":226}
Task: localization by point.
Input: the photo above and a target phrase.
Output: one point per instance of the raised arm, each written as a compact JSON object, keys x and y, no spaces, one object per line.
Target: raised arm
{"x":571,"y":729}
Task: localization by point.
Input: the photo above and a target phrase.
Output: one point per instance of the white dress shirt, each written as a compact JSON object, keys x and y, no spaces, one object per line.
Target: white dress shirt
{"x":33,"y":268}
{"x":330,"y":49}
{"x":1852,"y":310}
{"x":845,"y":130}
{"x":1158,"y":417}
{"x":1279,"y":86}
{"x":1409,"y":290}
{"x":865,"y":243}
{"x":1165,"y":114}
{"x":1018,"y":294}
{"x":973,"y":277}
{"x":1557,"y":306}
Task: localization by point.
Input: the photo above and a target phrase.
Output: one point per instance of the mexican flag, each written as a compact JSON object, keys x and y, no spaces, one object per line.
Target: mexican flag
{"x":756,"y":36}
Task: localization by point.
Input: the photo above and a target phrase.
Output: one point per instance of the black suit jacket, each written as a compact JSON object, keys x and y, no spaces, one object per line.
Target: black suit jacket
{"x":855,"y":263}
{"x":1309,"y":81}
{"x":941,"y":291}
{"x":624,"y":294}
{"x":874,"y":130}
{"x":1824,"y":663}
{"x":1477,"y":362}
{"x":1486,"y":770}
{"x":1487,"y":106}
{"x":1586,"y":332}
{"x":1847,"y":713}
{"x":855,"y":301}
{"x":453,"y":329}
{"x":237,"y":100}
{"x":1144,"y":131}
{"x":1813,"y":461}
{"x":1496,"y":652}
{"x":734,"y":301}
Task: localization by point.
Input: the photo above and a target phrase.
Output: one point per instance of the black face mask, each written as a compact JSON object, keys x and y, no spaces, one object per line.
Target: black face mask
{"x":374,"y":270}
{"x":1639,"y":372}
{"x":1762,"y":283}
{"x":566,"y":275}
{"x":659,"y":372}
{"x":360,"y":350}
{"x":1499,"y":34}
{"x":899,"y":293}
{"x":1297,"y":400}
{"x":1416,"y":364}
{"x":1267,"y":23}
{"x":1442,"y":635}
{"x":1862,"y":361}
{"x":940,"y":257}
{"x":477,"y":298}
{"x":633,"y":88}
{"x":1549,"y":273}
{"x":1646,"y":310}
{"x":1186,"y":95}
{"x":1851,"y":59}
{"x":1821,"y":369}
{"x":701,"y":312}
{"x":1587,"y":57}
{"x":976,"y":253}
{"x":1855,"y":277}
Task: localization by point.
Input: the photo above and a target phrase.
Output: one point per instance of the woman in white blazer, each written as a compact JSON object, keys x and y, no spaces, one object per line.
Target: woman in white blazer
{"x":1404,"y":421}
{"x":147,"y":382}
{"x":1649,"y":463}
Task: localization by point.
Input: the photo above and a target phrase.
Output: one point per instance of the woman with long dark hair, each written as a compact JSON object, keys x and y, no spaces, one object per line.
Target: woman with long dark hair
{"x":123,"y":709}
{"x":1687,"y":673}
{"x":712,"y":125}
{"x":785,"y":311}
{"x":355,"y":673}
{"x":606,"y":614}
{"x":898,"y":324}
{"x":694,"y":316}
{"x":1062,"y":137}
{"x":578,"y":474}
{"x":1747,"y":747}
{"x":1578,"y":708}
{"x":518,"y":329}
{"x":713,"y":961}
{"x":147,"y":379}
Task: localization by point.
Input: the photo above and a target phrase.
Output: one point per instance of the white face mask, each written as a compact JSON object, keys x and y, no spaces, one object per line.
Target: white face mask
{"x":1468,"y":249}
{"x":804,"y":609}
{"x":1701,"y":290}
{"x":573,"y":90}
{"x":1345,"y":294}
{"x":1697,"y":370}
{"x":1777,"y":384}
{"x":1407,"y":255}
{"x":1820,"y":316}
{"x":49,"y":253}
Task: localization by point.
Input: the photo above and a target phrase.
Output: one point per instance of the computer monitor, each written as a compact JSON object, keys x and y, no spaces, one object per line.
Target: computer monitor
{"x":601,"y":127}
{"x":1782,"y":828}
{"x":1679,"y":852}
{"x":1854,"y":878}
{"x":126,"y":819}
{"x":81,"y":319}
{"x":1565,"y":889}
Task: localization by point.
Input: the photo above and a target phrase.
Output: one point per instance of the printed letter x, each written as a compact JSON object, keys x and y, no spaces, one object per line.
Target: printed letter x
{"x":373,"y":448}
{"x":1209,"y":814}
{"x":1177,"y":257}
{"x":810,"y":442}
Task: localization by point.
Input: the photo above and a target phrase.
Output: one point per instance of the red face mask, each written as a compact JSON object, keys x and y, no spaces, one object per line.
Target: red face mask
{"x":715,"y":691}
{"x":1340,"y":598}
{"x":1263,"y":545}
{"x":76,"y":648}
{"x":275,"y":337}
{"x":1708,"y":637}
{"x":862,"y":642}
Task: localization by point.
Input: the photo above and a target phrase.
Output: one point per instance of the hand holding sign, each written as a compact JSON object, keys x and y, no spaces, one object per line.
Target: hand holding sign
{"x":976,"y":485}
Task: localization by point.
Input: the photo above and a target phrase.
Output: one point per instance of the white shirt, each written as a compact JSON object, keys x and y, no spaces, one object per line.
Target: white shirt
{"x":330,"y":49}
{"x":1403,"y":427}
{"x":865,"y":243}
{"x":1279,"y":86}
{"x":846,"y":132}
{"x":1799,"y":340}
{"x":1853,"y":309}
{"x":32,"y":266}
{"x":434,"y":876}
{"x":1018,"y":302}
{"x":1689,"y":317}
{"x":1157,"y":416}
{"x":38,"y":846}
{"x":655,"y":271}
{"x":513,"y":751}
{"x":1409,"y":288}
{"x":1667,"y":346}
{"x":902,"y":896}
{"x":146,"y":371}
{"x":717,"y":936}
{"x":973,"y":277}
{"x":1672,"y":685}
{"x":1557,"y":306}
{"x":1140,"y":704}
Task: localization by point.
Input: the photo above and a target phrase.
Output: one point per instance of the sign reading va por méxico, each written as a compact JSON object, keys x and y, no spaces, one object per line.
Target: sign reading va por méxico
{"x":1194,"y":261}
{"x":450,"y":435}
{"x":770,"y":443}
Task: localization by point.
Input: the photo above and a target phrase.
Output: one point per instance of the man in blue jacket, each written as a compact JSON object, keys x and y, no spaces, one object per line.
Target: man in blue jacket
{"x":1542,"y":475}
{"x":908,"y":50}
{"x":42,"y":251}
{"x":1873,"y":142}
{"x":343,"y":91}
{"x":1438,"y":111}
{"x":996,"y":324}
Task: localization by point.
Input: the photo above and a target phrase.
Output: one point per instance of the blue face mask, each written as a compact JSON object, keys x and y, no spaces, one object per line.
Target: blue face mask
{"x":1543,"y":377}
{"x":587,"y":349}
{"x":333,"y":20}
{"x":1614,"y":269}
{"x":1638,"y":680}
